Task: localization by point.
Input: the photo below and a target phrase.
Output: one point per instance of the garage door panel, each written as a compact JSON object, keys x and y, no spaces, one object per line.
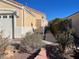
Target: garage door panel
{"x":6,"y":26}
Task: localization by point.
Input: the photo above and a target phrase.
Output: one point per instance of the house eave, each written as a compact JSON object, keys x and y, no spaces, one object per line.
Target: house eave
{"x":72,"y":14}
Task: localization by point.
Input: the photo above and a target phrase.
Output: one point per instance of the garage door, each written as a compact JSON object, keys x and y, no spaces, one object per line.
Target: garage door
{"x":6,"y":25}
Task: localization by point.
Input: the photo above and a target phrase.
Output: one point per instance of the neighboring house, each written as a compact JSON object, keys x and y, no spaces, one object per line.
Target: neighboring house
{"x":16,"y":19}
{"x":75,"y":21}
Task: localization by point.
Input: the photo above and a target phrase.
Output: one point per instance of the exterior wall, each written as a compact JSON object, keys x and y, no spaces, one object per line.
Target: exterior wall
{"x":29,"y":20}
{"x":75,"y":22}
{"x":44,"y":23}
{"x":18,"y":20}
{"x":23,"y":20}
{"x":39,"y":19}
{"x":36,"y":18}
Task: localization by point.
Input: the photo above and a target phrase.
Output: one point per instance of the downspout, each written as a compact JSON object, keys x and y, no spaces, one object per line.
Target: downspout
{"x":12,"y":26}
{"x":23,"y":18}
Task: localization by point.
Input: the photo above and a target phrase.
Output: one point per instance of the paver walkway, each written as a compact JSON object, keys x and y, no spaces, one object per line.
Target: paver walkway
{"x":42,"y":54}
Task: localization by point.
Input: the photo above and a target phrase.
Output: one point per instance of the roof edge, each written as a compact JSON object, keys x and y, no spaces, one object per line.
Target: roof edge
{"x":72,"y":14}
{"x":17,"y":4}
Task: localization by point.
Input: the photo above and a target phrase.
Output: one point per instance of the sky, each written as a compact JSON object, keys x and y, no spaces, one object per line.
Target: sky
{"x":53,"y":8}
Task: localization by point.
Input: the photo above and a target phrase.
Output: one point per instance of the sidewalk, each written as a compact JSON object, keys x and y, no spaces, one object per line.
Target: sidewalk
{"x":50,"y":37}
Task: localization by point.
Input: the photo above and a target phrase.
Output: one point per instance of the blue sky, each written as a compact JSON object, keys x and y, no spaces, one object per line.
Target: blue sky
{"x":53,"y":8}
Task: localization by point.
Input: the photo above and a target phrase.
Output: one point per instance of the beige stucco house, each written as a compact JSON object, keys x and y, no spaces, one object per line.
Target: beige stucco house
{"x":75,"y":21}
{"x":16,"y":19}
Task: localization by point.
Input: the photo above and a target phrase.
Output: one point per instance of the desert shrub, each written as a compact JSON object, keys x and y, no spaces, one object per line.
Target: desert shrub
{"x":59,"y":25}
{"x":32,"y":41}
{"x":62,"y":30}
{"x":65,"y":39}
{"x":3,"y":44}
{"x":53,"y":52}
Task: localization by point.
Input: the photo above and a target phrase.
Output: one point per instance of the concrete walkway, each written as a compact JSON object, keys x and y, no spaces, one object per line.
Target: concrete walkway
{"x":50,"y":43}
{"x":50,"y":37}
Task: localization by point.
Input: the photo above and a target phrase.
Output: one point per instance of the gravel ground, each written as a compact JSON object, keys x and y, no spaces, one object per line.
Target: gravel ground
{"x":17,"y":56}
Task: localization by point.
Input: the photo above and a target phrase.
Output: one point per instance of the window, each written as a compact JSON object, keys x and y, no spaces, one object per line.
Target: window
{"x":4,"y":16}
{"x":10,"y":16}
{"x":0,"y":16}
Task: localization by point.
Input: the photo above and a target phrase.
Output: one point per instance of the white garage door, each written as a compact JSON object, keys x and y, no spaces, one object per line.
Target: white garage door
{"x":6,"y":25}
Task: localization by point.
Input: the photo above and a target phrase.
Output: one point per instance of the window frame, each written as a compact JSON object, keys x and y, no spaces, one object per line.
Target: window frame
{"x":5,"y":16}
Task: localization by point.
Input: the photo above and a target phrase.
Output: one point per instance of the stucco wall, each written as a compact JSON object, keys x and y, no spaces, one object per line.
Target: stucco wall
{"x":18,"y":18}
{"x":75,"y":22}
{"x":23,"y":19}
{"x":8,"y":6}
{"x":29,"y":20}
